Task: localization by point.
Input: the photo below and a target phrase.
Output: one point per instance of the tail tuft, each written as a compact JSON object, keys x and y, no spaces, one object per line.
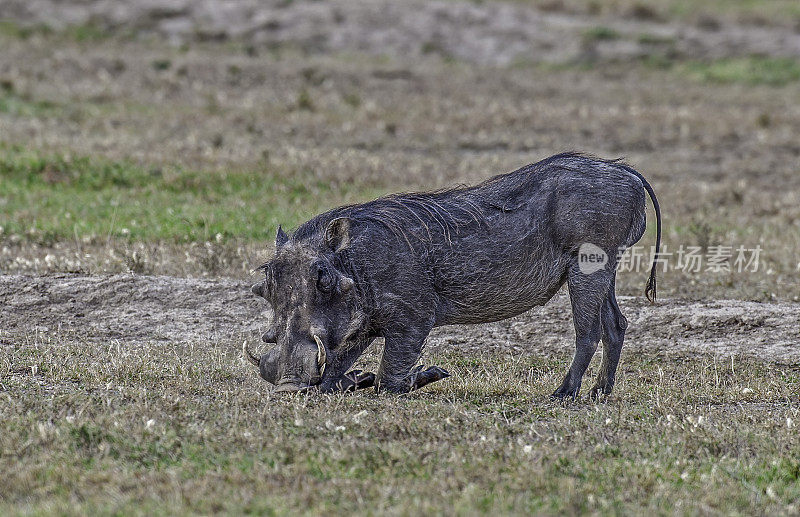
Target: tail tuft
{"x":650,"y":289}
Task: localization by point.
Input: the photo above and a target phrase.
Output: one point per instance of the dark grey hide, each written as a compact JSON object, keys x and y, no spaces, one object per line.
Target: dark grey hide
{"x":400,"y":265}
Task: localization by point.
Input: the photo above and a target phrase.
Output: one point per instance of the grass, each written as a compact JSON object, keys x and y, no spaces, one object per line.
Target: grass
{"x":11,"y":29}
{"x":21,"y":105}
{"x":114,"y":429}
{"x":758,"y":12}
{"x":748,"y":70}
{"x":89,"y":32}
{"x":52,"y":198}
{"x":601,"y":33}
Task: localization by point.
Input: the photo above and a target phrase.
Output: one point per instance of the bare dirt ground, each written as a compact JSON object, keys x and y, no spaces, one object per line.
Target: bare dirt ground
{"x":134,"y":310}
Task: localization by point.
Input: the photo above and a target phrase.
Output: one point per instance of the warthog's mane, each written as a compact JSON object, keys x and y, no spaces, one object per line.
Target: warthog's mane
{"x":424,"y":218}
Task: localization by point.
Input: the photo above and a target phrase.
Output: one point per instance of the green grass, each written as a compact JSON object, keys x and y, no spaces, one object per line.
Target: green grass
{"x":52,"y":198}
{"x":12,"y":29}
{"x":601,"y":34}
{"x":774,"y":12}
{"x":89,"y":32}
{"x":646,"y":38}
{"x":140,"y":429}
{"x":748,"y":70}
{"x":21,"y":105}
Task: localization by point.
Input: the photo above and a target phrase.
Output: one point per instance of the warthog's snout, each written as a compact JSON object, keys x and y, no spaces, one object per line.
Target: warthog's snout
{"x":290,"y":387}
{"x":304,"y":372}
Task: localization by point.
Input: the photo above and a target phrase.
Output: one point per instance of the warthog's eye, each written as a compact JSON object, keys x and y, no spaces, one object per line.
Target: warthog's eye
{"x":325,"y":280}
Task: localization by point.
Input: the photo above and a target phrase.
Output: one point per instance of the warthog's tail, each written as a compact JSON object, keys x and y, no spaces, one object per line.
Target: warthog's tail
{"x":650,"y":288}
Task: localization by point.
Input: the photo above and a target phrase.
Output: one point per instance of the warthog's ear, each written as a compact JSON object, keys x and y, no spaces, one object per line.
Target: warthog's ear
{"x":337,"y":234}
{"x":281,"y":238}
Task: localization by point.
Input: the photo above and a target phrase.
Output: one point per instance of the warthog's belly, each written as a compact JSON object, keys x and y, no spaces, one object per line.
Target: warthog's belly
{"x":490,"y":284}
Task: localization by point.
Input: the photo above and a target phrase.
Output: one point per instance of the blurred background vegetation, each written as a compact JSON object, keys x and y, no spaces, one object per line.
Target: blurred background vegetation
{"x":174,"y":138}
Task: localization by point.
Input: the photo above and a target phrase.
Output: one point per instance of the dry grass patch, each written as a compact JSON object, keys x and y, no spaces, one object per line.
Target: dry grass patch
{"x":190,"y":428}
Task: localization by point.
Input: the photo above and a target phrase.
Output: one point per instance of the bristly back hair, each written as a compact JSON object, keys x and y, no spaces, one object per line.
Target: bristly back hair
{"x":448,"y":208}
{"x":454,"y":207}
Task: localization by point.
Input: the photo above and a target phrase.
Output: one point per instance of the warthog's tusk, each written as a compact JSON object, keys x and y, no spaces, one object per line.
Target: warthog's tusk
{"x":321,"y":355}
{"x":249,"y":356}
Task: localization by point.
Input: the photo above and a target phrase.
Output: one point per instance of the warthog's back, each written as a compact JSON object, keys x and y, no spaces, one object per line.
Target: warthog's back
{"x":497,"y":249}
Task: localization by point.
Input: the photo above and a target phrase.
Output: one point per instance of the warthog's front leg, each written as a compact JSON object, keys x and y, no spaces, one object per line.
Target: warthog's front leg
{"x":355,"y":380}
{"x":419,"y":376}
{"x":401,"y":352}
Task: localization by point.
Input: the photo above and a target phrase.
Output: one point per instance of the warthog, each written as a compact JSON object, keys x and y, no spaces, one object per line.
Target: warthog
{"x":402,"y":264}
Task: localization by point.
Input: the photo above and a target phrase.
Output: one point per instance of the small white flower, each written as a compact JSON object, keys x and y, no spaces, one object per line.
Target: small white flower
{"x":358,"y":417}
{"x":150,"y":423}
{"x":527,"y":449}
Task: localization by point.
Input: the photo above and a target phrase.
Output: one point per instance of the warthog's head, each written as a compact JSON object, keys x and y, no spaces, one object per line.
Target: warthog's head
{"x":314,"y":314}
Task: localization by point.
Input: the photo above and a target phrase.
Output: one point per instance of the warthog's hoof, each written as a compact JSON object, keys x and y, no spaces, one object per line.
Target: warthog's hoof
{"x":356,"y":380}
{"x":599,"y":392}
{"x":419,"y":377}
{"x":566,"y":391}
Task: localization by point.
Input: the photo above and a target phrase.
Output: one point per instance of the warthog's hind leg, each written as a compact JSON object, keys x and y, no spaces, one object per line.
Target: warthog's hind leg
{"x":587,"y":293}
{"x":614,"y":325}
